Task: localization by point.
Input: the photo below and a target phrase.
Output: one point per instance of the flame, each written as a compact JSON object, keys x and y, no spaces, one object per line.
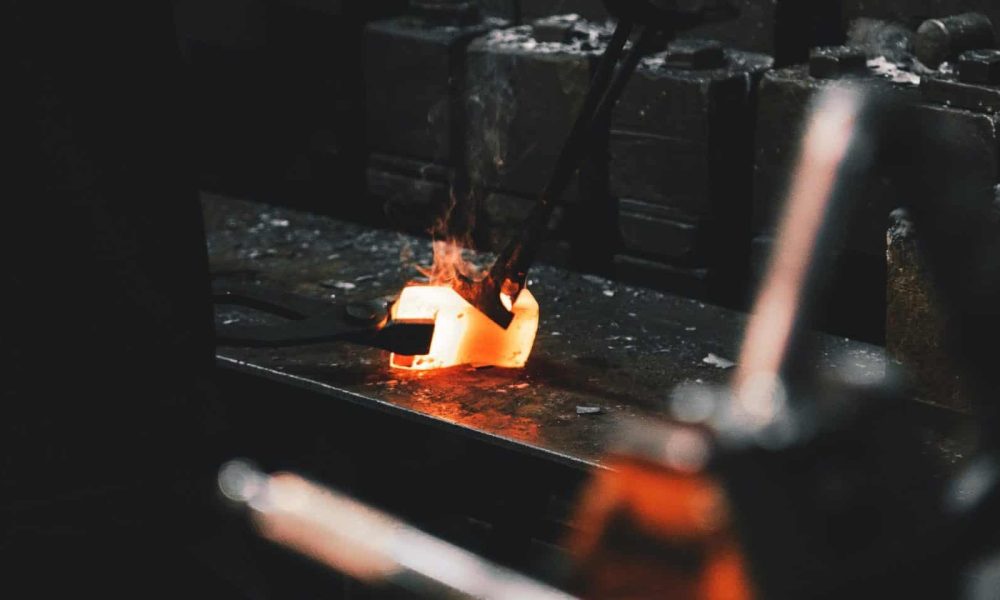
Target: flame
{"x":462,"y":334}
{"x":452,"y":260}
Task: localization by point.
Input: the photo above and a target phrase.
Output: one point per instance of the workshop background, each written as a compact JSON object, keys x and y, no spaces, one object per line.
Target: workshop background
{"x":397,"y":114}
{"x":326,"y":132}
{"x":392,"y":113}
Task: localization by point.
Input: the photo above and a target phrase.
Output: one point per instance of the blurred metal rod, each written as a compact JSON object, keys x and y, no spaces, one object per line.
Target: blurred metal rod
{"x":367,"y":544}
{"x":780,"y":306}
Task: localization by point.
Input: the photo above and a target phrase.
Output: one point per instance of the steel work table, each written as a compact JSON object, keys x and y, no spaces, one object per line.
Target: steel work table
{"x":600,"y":344}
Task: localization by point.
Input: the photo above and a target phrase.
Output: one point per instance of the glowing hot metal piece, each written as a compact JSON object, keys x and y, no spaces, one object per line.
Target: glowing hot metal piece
{"x":462,"y":334}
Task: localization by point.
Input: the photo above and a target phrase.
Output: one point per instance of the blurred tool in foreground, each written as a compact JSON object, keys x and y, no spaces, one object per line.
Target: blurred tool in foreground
{"x":366,"y":544}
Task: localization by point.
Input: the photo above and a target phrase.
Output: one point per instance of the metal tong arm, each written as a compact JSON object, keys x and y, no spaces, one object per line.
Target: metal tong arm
{"x":509,"y":271}
{"x":317,"y":321}
{"x":282,"y":304}
{"x":511,"y":267}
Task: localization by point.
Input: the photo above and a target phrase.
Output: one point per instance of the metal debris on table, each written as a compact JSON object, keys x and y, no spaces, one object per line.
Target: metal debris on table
{"x":573,"y":364}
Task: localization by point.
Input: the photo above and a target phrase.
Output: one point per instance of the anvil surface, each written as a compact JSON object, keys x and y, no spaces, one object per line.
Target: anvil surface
{"x":601,"y":345}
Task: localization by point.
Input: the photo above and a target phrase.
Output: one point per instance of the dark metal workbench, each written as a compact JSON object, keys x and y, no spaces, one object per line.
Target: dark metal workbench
{"x":599,"y":343}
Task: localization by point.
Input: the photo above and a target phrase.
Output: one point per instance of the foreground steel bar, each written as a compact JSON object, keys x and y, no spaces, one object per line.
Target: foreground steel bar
{"x":793,"y":272}
{"x":780,"y":408}
{"x":367,"y":544}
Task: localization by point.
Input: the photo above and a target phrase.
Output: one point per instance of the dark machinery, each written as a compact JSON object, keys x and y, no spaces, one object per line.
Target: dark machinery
{"x":827,"y":490}
{"x":649,"y":19}
{"x":792,"y":482}
{"x":795,"y":483}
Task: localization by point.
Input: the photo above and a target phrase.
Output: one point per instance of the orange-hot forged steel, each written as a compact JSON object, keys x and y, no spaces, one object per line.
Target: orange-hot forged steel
{"x":462,"y":334}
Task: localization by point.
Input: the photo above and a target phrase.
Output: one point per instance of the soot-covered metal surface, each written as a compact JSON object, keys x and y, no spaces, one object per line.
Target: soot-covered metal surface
{"x":605,"y":352}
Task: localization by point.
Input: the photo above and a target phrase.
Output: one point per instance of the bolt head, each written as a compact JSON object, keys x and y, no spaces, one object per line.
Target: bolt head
{"x":833,"y":62}
{"x":695,"y":54}
{"x":939,"y":40}
{"x":932,"y":43}
{"x":979,"y":66}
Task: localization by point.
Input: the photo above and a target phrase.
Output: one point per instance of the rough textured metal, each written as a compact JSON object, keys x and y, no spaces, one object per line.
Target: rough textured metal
{"x":856,"y":304}
{"x":914,"y":12}
{"x":970,"y":110}
{"x":915,"y":325}
{"x":414,"y":193}
{"x":881,"y":38}
{"x":692,"y":282}
{"x":410,"y":68}
{"x":681,"y":156}
{"x":600,"y":343}
{"x":939,"y":40}
{"x":785,"y":29}
{"x":645,"y":233}
{"x":833,"y":62}
{"x":502,"y":216}
{"x":979,"y":66}
{"x":507,"y":10}
{"x":592,"y":10}
{"x":948,"y":91}
{"x":675,"y":131}
{"x":414,"y":73}
{"x":784,"y":100}
{"x":852,"y":302}
{"x":695,"y":54}
{"x":447,"y":12}
{"x":554,"y":30}
{"x":522,"y":96}
{"x":753,"y":30}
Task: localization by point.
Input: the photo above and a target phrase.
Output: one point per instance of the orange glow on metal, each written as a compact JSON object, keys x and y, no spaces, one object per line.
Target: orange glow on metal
{"x":677,"y":510}
{"x":462,"y":334}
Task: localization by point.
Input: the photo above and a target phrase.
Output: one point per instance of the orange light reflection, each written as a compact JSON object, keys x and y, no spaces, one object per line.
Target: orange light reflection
{"x":674,"y":510}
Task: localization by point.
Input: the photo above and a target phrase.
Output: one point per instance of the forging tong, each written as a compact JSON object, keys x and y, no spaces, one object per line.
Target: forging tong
{"x":311,"y":321}
{"x":650,"y":19}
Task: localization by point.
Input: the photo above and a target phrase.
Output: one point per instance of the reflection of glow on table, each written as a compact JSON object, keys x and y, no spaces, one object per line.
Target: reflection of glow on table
{"x":623,"y":351}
